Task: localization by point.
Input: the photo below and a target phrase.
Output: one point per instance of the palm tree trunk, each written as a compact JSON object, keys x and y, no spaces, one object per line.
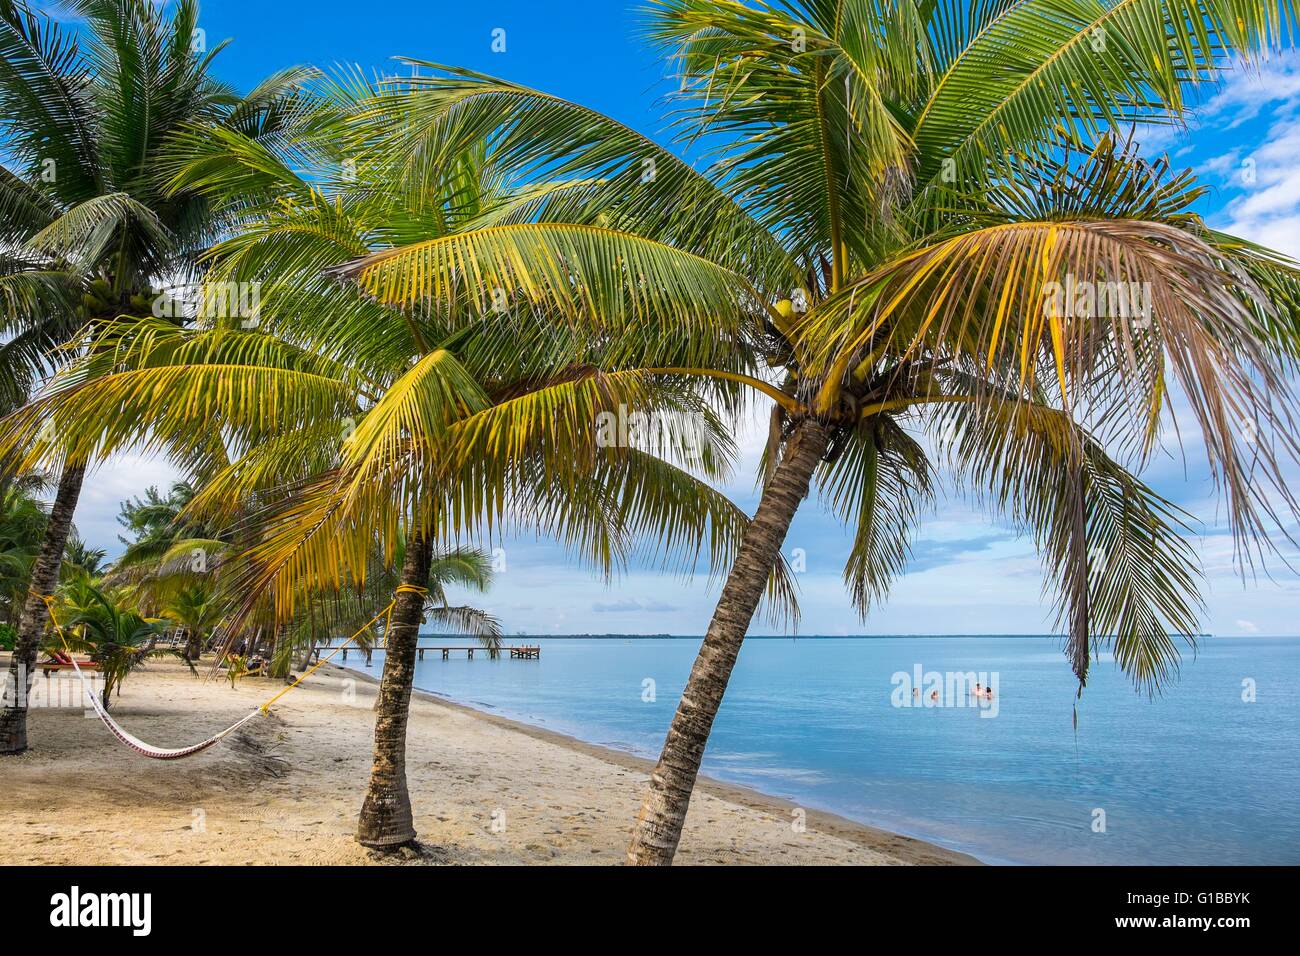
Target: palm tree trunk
{"x":305,"y":660}
{"x":45,"y":577}
{"x":193,"y":645}
{"x":386,"y":813}
{"x":279,"y":666}
{"x":659,"y":824}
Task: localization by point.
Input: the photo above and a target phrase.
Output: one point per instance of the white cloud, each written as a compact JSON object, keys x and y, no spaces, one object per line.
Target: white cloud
{"x":104,"y":490}
{"x":1247,"y":90}
{"x":1260,"y":180}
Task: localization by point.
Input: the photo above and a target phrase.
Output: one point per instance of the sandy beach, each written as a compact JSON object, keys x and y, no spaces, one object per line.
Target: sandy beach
{"x":286,"y":788}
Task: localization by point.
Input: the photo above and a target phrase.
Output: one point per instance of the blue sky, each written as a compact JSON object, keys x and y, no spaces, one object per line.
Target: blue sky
{"x":970,"y":573}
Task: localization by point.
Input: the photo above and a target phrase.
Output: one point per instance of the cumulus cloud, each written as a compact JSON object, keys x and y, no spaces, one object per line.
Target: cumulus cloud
{"x":1259,"y":177}
{"x":1247,"y":90}
{"x":927,"y":554}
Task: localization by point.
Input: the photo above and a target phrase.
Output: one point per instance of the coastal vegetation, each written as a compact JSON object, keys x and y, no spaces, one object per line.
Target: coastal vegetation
{"x":409,"y":302}
{"x":117,"y":638}
{"x":87,"y":228}
{"x":359,"y":435}
{"x":897,"y":189}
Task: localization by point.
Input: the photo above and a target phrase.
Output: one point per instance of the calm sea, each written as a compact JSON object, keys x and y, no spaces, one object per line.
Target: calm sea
{"x":1198,"y":775}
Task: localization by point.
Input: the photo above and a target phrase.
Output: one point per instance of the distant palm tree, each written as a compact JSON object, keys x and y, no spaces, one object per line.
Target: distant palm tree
{"x":166,"y":552}
{"x":22,"y":528}
{"x":118,"y":639}
{"x":199,"y":609}
{"x":151,"y":519}
{"x":82,"y":559}
{"x":87,"y":116}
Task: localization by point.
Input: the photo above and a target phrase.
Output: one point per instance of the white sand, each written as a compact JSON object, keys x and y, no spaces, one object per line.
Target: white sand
{"x":286,"y":788}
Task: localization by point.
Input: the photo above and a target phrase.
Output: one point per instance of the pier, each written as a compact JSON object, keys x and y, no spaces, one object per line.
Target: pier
{"x":525,"y":653}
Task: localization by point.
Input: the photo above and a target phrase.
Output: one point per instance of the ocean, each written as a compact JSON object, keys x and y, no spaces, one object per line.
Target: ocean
{"x":1207,"y":773}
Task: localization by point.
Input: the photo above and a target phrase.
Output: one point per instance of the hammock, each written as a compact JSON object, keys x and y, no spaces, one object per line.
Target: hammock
{"x":147,"y":750}
{"x":162,"y":753}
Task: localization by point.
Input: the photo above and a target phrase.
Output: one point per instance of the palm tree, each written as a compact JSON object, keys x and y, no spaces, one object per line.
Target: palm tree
{"x":151,"y":520}
{"x":23,"y":522}
{"x":117,"y":638}
{"x":363,"y":421}
{"x":903,"y":184}
{"x":386,"y":795}
{"x":22,"y":527}
{"x":87,"y":118}
{"x":468,"y":568}
{"x":199,"y":610}
{"x":166,"y":552}
{"x":80,"y":558}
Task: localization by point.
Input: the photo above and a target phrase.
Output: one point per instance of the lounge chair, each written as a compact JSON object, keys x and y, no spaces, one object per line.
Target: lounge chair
{"x":59,"y":661}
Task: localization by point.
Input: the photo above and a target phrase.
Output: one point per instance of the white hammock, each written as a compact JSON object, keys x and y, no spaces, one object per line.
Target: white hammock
{"x":162,"y":753}
{"x":138,"y":745}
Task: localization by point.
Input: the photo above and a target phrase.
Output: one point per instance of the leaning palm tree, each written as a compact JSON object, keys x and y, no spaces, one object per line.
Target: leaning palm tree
{"x":910,"y":188}
{"x":86,"y":230}
{"x":364,"y":421}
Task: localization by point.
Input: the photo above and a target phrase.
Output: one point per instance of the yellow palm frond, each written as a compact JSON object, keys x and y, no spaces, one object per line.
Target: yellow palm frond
{"x":600,"y":276}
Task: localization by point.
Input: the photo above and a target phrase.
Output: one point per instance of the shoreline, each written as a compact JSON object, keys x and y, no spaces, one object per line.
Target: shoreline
{"x":286,"y":788}
{"x":825,"y":821}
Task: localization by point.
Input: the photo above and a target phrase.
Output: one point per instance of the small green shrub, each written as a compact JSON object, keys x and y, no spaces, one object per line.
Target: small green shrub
{"x":8,"y":637}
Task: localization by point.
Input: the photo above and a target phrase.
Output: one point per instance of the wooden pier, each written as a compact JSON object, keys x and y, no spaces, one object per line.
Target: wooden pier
{"x":526,"y":653}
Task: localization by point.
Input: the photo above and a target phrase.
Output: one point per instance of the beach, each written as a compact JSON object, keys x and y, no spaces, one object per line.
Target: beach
{"x":285,"y":789}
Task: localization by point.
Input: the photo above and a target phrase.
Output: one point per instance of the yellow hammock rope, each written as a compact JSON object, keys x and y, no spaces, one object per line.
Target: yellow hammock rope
{"x":159,"y":753}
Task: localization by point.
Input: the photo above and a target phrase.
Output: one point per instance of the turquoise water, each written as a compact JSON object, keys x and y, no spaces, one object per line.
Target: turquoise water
{"x":1196,"y":776}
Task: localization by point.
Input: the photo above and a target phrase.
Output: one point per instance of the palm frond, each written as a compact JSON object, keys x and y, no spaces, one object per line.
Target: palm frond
{"x":613,"y":174}
{"x":1063,"y":72}
{"x":577,"y":271}
{"x":878,"y":483}
{"x":1171,"y":311}
{"x":43,"y":82}
{"x":1119,"y":561}
{"x":467,"y":620}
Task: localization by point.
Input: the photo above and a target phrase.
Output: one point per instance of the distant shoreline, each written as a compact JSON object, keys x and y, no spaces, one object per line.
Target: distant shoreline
{"x":507,"y":639}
